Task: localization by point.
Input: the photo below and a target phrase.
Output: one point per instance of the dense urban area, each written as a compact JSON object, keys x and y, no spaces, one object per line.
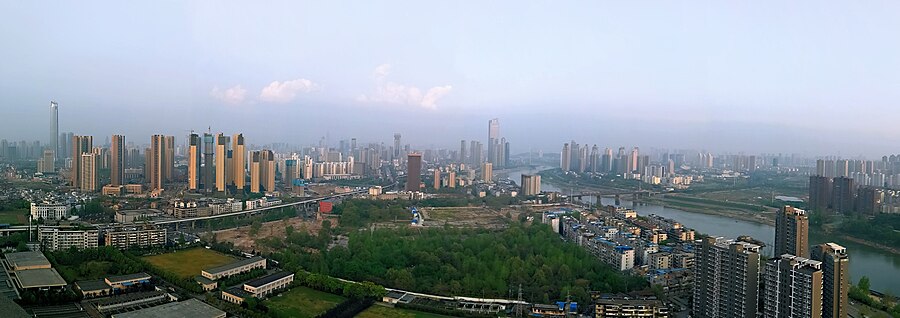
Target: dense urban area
{"x":209,"y":225}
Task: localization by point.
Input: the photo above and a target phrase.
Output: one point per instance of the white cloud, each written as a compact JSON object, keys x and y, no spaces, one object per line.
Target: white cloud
{"x":394,"y":93}
{"x":234,"y":95}
{"x":283,"y":92}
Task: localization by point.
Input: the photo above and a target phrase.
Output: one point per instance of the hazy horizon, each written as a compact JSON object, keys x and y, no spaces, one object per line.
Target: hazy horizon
{"x":815,"y":78}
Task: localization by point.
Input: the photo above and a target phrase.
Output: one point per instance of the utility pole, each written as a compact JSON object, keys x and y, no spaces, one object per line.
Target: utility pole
{"x":519,"y":305}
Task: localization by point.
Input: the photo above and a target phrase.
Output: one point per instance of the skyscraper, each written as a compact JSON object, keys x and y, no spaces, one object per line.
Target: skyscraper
{"x":835,"y":278}
{"x":209,"y":173}
{"x":397,"y":149}
{"x":726,"y":282}
{"x":437,"y":178}
{"x":267,"y":169}
{"x":413,"y":171}
{"x":238,"y":158}
{"x":194,"y":161}
{"x":792,"y":232}
{"x":117,"y":160}
{"x":80,"y":145}
{"x":54,"y":131}
{"x":88,"y":172}
{"x":565,"y":159}
{"x":255,"y":173}
{"x":487,"y":172}
{"x":793,"y":287}
{"x":462,"y":152}
{"x":493,"y":139}
{"x":161,"y":161}
{"x":223,"y":163}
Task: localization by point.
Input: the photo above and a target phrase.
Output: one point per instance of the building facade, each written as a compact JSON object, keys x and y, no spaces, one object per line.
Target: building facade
{"x":792,"y":232}
{"x":726,"y":281}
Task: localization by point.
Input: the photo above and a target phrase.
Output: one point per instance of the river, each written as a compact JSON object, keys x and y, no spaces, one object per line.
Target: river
{"x":882,"y":268}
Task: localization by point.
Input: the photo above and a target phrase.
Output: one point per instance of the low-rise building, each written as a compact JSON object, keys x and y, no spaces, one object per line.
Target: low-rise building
{"x":122,"y":282}
{"x":228,"y":206}
{"x":132,"y":216}
{"x":26,"y":260}
{"x":41,"y":279}
{"x":49,"y":211}
{"x":559,"y":310}
{"x":241,"y":266}
{"x":135,"y":236}
{"x":206,"y":283}
{"x":624,"y":306}
{"x":93,"y":288}
{"x":235,"y":294}
{"x":112,"y":190}
{"x":264,"y":286}
{"x":61,"y":238}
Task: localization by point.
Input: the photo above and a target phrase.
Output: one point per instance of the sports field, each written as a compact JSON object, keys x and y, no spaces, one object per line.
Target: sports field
{"x":14,"y":217}
{"x":189,"y":263}
{"x":377,"y":311}
{"x":302,"y":302}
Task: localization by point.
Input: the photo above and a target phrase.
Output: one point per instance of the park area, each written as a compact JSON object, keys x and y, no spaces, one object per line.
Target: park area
{"x":377,"y":311}
{"x":189,"y":262}
{"x":302,"y":302}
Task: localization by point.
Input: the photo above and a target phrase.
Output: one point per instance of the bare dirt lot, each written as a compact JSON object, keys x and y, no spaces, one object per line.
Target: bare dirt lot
{"x":243,"y":240}
{"x":468,"y":216}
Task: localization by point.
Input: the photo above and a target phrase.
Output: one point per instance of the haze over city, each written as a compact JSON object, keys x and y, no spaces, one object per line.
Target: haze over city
{"x":809,"y":77}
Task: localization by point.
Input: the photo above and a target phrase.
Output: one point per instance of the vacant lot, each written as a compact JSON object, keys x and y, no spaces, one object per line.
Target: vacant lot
{"x":244,"y":241}
{"x":377,"y":311}
{"x":464,"y":217}
{"x":13,"y":217}
{"x":190,"y":262}
{"x":302,"y":302}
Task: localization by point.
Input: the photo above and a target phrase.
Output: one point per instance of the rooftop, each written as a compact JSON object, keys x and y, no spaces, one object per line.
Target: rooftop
{"x":128,"y":277}
{"x":204,"y":280}
{"x":226,"y":267}
{"x":43,"y":277}
{"x":92,"y":285}
{"x":238,"y":292}
{"x":27,"y":259}
{"x":191,"y":308}
{"x":262,"y":281}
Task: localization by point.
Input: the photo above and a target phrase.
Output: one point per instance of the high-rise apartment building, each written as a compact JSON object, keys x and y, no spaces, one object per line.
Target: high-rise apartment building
{"x":267,"y":169}
{"x":531,"y":184}
{"x":437,"y":178}
{"x":255,"y":174}
{"x":54,"y":132}
{"x":792,"y":232}
{"x":835,"y":279}
{"x":793,"y":287}
{"x":565,"y":159}
{"x":451,"y":179}
{"x":820,"y":188}
{"x":487,"y":172}
{"x":413,"y":171}
{"x":843,"y":195}
{"x":160,"y":161}
{"x":208,"y":176}
{"x":397,"y":150}
{"x":80,"y":145}
{"x":726,"y":281}
{"x":223,"y":162}
{"x":493,"y":139}
{"x":239,"y":162}
{"x":462,"y":152}
{"x":87,"y":175}
{"x":117,"y":160}
{"x":194,"y":161}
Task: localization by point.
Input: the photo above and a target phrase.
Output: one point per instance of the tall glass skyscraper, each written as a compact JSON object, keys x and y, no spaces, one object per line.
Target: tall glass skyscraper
{"x":54,"y":127}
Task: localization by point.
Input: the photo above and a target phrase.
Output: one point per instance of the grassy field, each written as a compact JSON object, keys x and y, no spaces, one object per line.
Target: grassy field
{"x":13,"y":217}
{"x":302,"y":302}
{"x":377,"y":311}
{"x":190,"y":262}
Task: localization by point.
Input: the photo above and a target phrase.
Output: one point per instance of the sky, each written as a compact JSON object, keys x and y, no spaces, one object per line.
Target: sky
{"x":809,"y":77}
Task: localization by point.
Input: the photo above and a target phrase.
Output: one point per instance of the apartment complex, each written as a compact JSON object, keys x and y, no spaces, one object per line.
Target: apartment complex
{"x":835,"y":278}
{"x":135,"y":236}
{"x":62,"y":238}
{"x":726,"y":281}
{"x":793,"y":287}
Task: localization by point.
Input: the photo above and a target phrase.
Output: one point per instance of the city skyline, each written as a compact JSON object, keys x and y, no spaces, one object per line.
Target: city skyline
{"x":722,"y":80}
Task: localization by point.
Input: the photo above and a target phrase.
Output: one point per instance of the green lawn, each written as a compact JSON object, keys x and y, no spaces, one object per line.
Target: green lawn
{"x":190,"y":262}
{"x":13,"y":217}
{"x":377,"y":311}
{"x":302,"y":302}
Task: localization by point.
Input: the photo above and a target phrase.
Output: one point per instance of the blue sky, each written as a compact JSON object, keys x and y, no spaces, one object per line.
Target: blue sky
{"x":817,"y":77}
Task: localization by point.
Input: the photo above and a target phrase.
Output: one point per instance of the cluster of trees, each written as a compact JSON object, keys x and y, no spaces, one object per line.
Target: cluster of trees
{"x":357,"y":213}
{"x":92,"y":263}
{"x":238,"y":221}
{"x":47,"y":297}
{"x":883,"y":228}
{"x":333,"y":285}
{"x":15,"y":240}
{"x":472,"y":262}
{"x":860,"y":292}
